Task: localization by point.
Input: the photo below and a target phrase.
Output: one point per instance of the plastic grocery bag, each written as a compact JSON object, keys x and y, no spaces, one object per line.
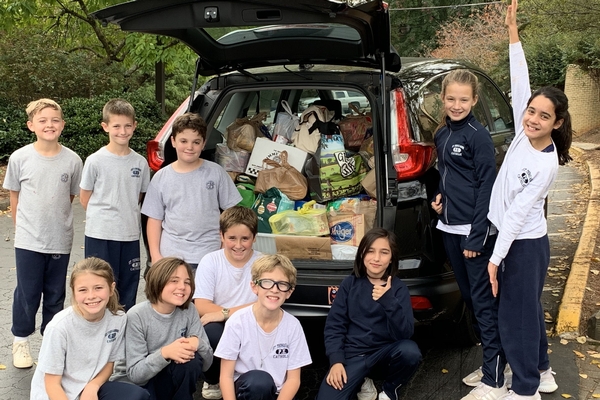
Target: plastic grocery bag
{"x":286,"y":122}
{"x":355,"y":129}
{"x":268,"y":204}
{"x":231,"y":161}
{"x":307,"y":221}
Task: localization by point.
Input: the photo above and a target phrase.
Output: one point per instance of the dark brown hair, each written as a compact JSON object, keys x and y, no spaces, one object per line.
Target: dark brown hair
{"x":159,"y":275}
{"x":365,"y":244}
{"x":189,"y":121}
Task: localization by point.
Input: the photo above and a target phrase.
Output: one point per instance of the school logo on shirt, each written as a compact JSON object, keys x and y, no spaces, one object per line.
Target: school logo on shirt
{"x":136,"y":172}
{"x":64,"y":177}
{"x":525,"y":177}
{"x":111,"y":335}
{"x":210,"y":185}
{"x":282,"y":350}
{"x":457,"y":150}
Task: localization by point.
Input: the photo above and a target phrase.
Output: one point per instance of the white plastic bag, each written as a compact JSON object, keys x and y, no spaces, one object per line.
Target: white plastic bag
{"x":286,"y":122}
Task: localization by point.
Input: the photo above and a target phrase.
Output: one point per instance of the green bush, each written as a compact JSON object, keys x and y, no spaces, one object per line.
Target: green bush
{"x":83,"y":133}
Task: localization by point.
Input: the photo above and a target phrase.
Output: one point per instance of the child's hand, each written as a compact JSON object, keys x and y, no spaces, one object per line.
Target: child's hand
{"x":437,"y":204}
{"x":493,"y":271}
{"x":379,"y":290}
{"x":470,"y":253}
{"x":180,"y":351}
{"x":337,"y":377}
{"x":90,"y":392}
{"x":216,"y":316}
{"x":511,"y":15}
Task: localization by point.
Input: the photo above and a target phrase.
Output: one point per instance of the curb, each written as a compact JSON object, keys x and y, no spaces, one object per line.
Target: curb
{"x":569,"y":312}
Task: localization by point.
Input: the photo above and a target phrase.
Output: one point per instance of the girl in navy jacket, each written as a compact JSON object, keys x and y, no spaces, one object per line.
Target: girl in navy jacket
{"x":368,"y":329}
{"x":521,"y":255}
{"x":467,"y":170}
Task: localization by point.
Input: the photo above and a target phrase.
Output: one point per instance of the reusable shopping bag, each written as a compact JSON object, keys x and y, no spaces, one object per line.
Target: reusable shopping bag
{"x":282,"y":176}
{"x":268,"y":204}
{"x":356,"y":128}
{"x":314,"y":122}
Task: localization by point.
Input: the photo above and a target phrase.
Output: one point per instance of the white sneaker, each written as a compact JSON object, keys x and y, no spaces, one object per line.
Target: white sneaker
{"x":367,"y":390}
{"x":383,"y":396}
{"x":547,"y":381}
{"x":485,"y":392}
{"x":21,"y":355}
{"x":513,"y":396}
{"x":474,"y":378}
{"x":211,"y":392}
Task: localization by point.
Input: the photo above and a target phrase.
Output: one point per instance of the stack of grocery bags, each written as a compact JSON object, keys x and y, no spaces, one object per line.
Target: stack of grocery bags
{"x":308,"y":178}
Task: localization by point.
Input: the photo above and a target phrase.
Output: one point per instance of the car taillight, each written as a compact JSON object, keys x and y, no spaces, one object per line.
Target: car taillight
{"x":411,"y":159}
{"x":155,"y":158}
{"x":420,"y":303}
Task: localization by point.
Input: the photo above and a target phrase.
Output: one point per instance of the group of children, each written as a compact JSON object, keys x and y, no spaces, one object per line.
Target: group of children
{"x":493,"y":228}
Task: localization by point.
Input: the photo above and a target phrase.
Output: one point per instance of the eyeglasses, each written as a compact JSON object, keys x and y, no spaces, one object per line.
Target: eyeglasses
{"x":270,"y":283}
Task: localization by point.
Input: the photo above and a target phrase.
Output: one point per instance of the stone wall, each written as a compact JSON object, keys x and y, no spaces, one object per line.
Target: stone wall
{"x":584,"y":99}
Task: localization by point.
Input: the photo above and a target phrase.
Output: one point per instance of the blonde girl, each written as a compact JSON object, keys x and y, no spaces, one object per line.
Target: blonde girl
{"x":82,"y":342}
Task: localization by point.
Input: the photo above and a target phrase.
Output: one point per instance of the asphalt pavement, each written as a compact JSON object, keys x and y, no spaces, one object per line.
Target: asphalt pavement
{"x":439,"y":375}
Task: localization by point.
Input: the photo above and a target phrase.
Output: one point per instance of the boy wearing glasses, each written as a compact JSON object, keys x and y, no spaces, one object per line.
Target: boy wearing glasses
{"x":263,"y":347}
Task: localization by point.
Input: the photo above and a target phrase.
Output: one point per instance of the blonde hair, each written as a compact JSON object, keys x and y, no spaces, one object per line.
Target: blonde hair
{"x":117,"y":107}
{"x":462,"y":77}
{"x":270,"y":262}
{"x":158,"y":276}
{"x":36,"y":106}
{"x":101,"y":268}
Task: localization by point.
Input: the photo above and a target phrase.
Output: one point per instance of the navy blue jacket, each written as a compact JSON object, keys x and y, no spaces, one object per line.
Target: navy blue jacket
{"x":357,"y":324}
{"x":467,"y":171}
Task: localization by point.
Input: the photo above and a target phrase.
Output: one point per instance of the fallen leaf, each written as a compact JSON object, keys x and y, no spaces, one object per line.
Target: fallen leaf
{"x":595,"y":259}
{"x":594,"y":271}
{"x":578,"y":354}
{"x":444,"y":371}
{"x":2,"y":367}
{"x":596,"y":396}
{"x":584,"y":376}
{"x":566,"y":396}
{"x":595,"y":355}
{"x":581,"y":339}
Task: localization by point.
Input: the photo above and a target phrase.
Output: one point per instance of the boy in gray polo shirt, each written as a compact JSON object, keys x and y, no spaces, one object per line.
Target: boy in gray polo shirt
{"x":43,"y":178}
{"x":113,"y":183}
{"x":184,"y":198}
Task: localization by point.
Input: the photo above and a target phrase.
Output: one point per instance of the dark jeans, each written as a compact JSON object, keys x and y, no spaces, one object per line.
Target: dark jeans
{"x":255,"y":385}
{"x":124,"y":258}
{"x":214,"y":331}
{"x":474,"y":283}
{"x":395,"y":363}
{"x":122,"y":390}
{"x":176,"y":381}
{"x":37,"y":274}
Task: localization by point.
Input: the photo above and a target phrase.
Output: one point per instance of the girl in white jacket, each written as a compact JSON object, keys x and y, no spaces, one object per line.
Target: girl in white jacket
{"x":521,"y":254}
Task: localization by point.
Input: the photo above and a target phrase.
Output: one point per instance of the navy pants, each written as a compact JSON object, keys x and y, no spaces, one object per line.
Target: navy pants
{"x":37,"y":274}
{"x":175,"y":381}
{"x":124,"y":258}
{"x":395,"y":363}
{"x":121,"y":390}
{"x":474,"y":283}
{"x":214,"y":331}
{"x":521,"y":316}
{"x":255,"y":385}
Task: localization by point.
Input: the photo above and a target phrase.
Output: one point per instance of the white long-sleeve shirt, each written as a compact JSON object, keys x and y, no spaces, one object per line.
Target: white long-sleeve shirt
{"x":523,"y":182}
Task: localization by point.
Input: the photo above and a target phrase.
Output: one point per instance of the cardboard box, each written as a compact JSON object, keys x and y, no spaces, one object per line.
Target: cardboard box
{"x":295,"y":247}
{"x":265,"y":148}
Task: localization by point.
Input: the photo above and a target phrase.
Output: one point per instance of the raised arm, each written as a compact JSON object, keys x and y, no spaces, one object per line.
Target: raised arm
{"x":511,"y":22}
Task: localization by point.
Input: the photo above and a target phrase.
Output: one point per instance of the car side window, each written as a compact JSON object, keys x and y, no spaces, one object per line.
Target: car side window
{"x":431,"y":107}
{"x":502,"y":118}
